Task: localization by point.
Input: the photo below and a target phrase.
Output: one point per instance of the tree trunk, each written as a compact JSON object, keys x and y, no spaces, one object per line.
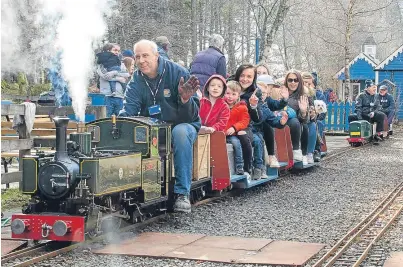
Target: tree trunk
{"x":269,"y":37}
{"x":348,"y":87}
{"x":201,"y":26}
{"x":248,"y":33}
{"x":194,"y":27}
{"x":231,"y":39}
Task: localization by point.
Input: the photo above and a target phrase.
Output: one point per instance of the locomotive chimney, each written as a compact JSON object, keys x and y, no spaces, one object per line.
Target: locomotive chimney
{"x":61,"y":137}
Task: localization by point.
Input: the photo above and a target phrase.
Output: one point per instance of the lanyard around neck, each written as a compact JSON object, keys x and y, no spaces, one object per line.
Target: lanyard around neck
{"x":158,"y":84}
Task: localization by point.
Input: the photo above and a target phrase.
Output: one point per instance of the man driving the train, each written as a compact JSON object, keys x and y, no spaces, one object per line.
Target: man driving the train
{"x":163,"y":89}
{"x":367,"y":107}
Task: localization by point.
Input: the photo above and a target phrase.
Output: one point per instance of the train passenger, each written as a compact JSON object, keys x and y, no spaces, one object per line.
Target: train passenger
{"x":164,"y":90}
{"x":246,"y":75}
{"x":309,"y":130}
{"x":237,"y":124}
{"x":298,"y":102}
{"x":368,"y":107}
{"x":388,"y":105}
{"x":267,"y":84}
{"x":262,"y":69}
{"x":214,"y":111}
{"x":112,"y":79}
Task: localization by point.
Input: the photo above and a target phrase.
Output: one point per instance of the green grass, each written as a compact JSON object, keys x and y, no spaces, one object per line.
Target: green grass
{"x":12,"y":198}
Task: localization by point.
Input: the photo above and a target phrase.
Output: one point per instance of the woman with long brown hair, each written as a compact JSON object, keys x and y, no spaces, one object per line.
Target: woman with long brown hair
{"x":297,"y":110}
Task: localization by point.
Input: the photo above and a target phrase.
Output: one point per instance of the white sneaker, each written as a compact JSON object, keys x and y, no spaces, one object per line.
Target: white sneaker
{"x":264,"y":174}
{"x":310,"y":158}
{"x":297,"y":155}
{"x":274,"y":162}
{"x":304,"y":160}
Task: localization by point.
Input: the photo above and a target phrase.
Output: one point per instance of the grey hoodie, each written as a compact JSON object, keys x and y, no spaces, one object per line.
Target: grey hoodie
{"x":104,"y":85}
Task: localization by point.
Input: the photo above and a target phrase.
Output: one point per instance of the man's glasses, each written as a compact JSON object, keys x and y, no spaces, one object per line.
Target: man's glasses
{"x":292,"y":80}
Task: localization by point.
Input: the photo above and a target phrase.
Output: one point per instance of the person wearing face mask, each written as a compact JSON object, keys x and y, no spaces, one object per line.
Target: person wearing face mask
{"x":368,"y":107}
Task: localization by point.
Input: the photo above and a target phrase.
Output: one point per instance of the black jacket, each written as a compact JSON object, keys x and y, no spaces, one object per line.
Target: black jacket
{"x":366,"y":103}
{"x":108,"y":60}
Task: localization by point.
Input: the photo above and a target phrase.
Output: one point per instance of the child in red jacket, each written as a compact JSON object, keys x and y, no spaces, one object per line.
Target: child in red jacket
{"x":238,"y":121}
{"x":214,"y":111}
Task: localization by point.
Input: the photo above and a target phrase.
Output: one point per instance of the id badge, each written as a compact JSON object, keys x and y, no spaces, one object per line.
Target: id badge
{"x":154,"y":110}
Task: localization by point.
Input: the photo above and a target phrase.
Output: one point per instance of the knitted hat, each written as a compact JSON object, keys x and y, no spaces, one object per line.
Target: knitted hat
{"x":128,"y":53}
{"x":383,"y":87}
{"x":161,"y":40}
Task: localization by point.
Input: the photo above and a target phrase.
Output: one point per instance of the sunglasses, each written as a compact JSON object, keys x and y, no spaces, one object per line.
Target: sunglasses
{"x":292,"y":80}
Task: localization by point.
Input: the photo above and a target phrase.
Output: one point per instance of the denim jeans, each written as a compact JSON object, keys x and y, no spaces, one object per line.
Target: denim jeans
{"x":321,"y":127}
{"x":183,"y":137}
{"x":257,"y":151}
{"x":238,"y":157}
{"x":113,"y":105}
{"x":390,"y":116}
{"x":311,"y":137}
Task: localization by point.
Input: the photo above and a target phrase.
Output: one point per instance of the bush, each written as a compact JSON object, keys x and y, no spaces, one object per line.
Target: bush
{"x":37,"y":89}
{"x":9,"y":88}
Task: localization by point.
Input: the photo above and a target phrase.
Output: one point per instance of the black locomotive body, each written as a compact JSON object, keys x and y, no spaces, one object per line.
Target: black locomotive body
{"x":112,"y":170}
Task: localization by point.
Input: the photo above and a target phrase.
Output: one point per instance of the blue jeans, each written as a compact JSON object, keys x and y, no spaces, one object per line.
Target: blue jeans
{"x":321,"y":127}
{"x":390,"y":116}
{"x":113,"y":105}
{"x":257,"y":151}
{"x":183,"y":137}
{"x":311,"y":136}
{"x":238,"y":157}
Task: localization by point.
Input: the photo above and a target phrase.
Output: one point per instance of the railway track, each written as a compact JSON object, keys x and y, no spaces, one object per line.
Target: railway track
{"x":353,"y":248}
{"x":47,"y":251}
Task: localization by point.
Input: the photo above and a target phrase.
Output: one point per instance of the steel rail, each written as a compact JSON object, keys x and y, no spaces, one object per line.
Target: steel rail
{"x":352,"y":235}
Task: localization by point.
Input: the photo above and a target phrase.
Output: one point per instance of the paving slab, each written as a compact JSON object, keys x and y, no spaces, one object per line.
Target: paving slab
{"x":285,"y":253}
{"x":395,"y":260}
{"x":193,"y":252}
{"x":9,"y":245}
{"x":232,"y":242}
{"x":226,"y":249}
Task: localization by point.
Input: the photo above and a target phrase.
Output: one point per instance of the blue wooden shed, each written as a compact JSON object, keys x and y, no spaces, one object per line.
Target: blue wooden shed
{"x":392,"y":69}
{"x":361,"y":69}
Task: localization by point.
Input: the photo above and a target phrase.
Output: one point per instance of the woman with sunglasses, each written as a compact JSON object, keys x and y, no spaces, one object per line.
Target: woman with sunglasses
{"x":299,"y":103}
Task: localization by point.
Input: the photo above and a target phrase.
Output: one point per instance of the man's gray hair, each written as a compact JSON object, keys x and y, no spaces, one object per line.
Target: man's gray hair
{"x":217,"y":41}
{"x":151,"y":44}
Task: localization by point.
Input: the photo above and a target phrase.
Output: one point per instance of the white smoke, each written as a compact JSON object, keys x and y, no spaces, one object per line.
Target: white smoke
{"x":33,"y":31}
{"x":81,"y":26}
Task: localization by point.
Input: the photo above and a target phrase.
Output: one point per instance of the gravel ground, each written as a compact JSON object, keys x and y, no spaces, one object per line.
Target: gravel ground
{"x":319,"y":206}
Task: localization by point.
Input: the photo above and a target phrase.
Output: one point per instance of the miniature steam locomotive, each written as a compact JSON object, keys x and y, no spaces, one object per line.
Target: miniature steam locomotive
{"x":120,"y":169}
{"x":116,"y":170}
